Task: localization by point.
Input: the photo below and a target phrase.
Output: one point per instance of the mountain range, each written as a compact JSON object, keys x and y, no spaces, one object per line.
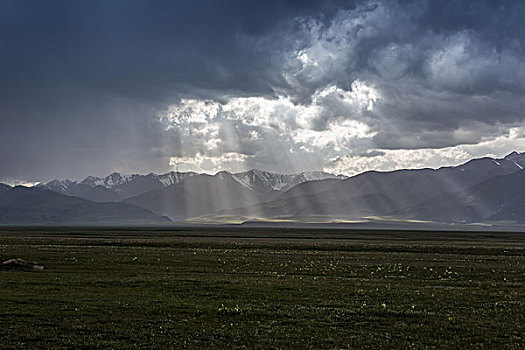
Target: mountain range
{"x":448,"y":194}
{"x":483,"y":190}
{"x":27,"y":206}
{"x":117,"y":187}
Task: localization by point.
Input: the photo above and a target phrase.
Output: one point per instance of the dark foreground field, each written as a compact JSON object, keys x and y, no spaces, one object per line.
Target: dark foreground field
{"x":262,"y":289}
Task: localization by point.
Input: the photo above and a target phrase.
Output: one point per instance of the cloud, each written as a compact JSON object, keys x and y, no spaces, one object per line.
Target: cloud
{"x":279,"y":85}
{"x":387,"y":160}
{"x":263,"y":129}
{"x":371,"y":80}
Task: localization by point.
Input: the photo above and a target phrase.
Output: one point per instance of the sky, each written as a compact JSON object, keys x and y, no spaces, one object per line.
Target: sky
{"x":93,"y":87}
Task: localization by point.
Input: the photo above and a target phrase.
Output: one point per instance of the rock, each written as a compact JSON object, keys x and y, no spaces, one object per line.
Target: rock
{"x":19,"y":264}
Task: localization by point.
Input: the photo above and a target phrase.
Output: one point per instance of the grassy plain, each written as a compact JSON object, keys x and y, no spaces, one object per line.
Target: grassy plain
{"x":255,"y":288}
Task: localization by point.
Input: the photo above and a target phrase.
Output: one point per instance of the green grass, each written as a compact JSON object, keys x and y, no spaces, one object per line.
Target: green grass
{"x":219,"y":289}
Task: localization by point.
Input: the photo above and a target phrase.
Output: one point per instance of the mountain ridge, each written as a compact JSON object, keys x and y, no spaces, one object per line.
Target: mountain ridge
{"x":406,"y":187}
{"x":117,"y":186}
{"x":475,"y":191}
{"x":31,"y":205}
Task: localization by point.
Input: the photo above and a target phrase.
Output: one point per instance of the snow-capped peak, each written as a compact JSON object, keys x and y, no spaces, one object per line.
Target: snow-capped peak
{"x":61,"y":186}
{"x":173,"y":177}
{"x":111,"y":181}
{"x":517,"y":159}
{"x":268,"y":181}
{"x":116,"y":179}
{"x":93,"y":181}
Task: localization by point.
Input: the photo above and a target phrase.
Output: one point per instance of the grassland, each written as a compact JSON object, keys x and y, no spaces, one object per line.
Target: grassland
{"x":156,"y":289}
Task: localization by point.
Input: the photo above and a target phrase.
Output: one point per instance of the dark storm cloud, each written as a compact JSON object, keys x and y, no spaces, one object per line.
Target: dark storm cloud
{"x":392,"y":40}
{"x":141,"y":48}
{"x":439,"y":66}
{"x":82,"y":83}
